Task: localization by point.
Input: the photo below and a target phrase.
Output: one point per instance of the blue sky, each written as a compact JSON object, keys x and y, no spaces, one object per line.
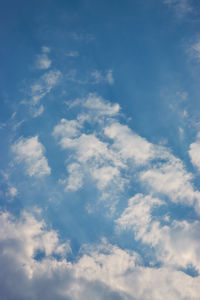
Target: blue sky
{"x":100,"y":150}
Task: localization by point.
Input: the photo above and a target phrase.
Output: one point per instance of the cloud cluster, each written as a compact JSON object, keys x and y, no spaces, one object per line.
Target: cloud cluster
{"x":103,"y":271}
{"x":112,"y":154}
{"x":176,"y":243}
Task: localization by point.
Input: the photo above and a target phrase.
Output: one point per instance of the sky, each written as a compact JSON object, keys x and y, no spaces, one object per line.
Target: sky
{"x":100,"y":150}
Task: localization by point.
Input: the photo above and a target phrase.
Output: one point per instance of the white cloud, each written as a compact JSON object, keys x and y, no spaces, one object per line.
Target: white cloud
{"x":67,"y":129}
{"x":12,"y":191}
{"x":105,"y":175}
{"x":43,"y":62}
{"x":100,"y":106}
{"x":129,"y":144}
{"x":171,"y":179}
{"x":111,"y":147}
{"x":194,"y":152}
{"x":175,"y":245}
{"x":75,"y":179}
{"x":31,"y":152}
{"x":138,"y":213}
{"x":103,"y":271}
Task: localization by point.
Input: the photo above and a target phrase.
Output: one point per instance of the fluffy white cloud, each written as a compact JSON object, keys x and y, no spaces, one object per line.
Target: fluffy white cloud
{"x":176,"y":245}
{"x":171,"y":179}
{"x":75,"y":178}
{"x":110,"y":147}
{"x":67,"y":129}
{"x":138,"y":213}
{"x":105,"y":175}
{"x":129,"y":144}
{"x":102,"y":272}
{"x":31,"y":152}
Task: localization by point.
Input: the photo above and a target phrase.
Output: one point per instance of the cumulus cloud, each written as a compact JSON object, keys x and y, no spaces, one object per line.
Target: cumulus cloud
{"x":171,"y":179}
{"x":103,"y":271}
{"x":176,"y":244}
{"x":31,"y":152}
{"x":138,"y":213}
{"x":129,"y":144}
{"x":75,"y":179}
{"x":109,"y":148}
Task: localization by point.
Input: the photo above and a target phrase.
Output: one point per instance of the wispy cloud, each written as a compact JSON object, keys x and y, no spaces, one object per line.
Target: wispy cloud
{"x":44,"y":85}
{"x":181,"y":7}
{"x":99,"y":77}
{"x":72,"y":54}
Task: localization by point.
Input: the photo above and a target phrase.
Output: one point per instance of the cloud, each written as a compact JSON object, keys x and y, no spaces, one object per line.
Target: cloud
{"x":43,"y":62}
{"x":194,"y":153}
{"x":13,"y":191}
{"x":75,"y":179}
{"x":103,"y":271}
{"x":99,"y":106}
{"x":31,"y":152}
{"x":196,"y":50}
{"x":72,"y":54}
{"x":129,"y":144}
{"x":109,"y":148}
{"x":181,"y":7}
{"x":109,"y":77}
{"x":138,"y":213}
{"x":46,"y":49}
{"x":99,"y":77}
{"x":176,"y":243}
{"x":44,"y":85}
{"x":37,"y":112}
{"x":171,"y":179}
